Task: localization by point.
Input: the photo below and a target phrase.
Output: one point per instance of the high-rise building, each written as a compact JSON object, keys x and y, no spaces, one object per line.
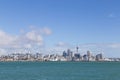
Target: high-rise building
{"x":64,"y":54}
{"x":77,"y":55}
{"x":88,"y":55}
{"x":69,"y":53}
{"x":99,"y":57}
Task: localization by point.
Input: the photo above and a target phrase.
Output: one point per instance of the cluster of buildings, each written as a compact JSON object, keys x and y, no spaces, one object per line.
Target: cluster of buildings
{"x":70,"y":56}
{"x":66,"y":56}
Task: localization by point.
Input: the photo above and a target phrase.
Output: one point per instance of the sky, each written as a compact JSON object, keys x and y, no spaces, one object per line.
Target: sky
{"x":56,"y":25}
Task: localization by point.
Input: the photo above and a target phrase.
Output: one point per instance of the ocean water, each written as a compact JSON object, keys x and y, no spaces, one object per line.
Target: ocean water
{"x":59,"y":70}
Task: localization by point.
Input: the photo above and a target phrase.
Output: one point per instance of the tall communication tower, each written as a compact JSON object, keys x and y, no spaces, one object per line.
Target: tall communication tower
{"x":77,"y":49}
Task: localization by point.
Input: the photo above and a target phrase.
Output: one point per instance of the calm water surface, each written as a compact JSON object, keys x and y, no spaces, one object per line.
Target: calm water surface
{"x":59,"y":70}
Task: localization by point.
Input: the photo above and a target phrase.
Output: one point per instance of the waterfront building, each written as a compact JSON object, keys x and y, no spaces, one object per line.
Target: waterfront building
{"x":99,"y":57}
{"x":61,"y":58}
{"x":39,"y":57}
{"x":90,"y":56}
{"x":69,"y":55}
{"x":85,"y":58}
{"x":64,"y":54}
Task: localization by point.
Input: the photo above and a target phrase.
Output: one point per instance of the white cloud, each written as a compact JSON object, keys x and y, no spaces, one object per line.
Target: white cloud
{"x":114,"y":45}
{"x":46,"y":31}
{"x":27,"y":45}
{"x":2,"y":51}
{"x":34,"y":36}
{"x":61,"y":44}
{"x":32,"y":40}
{"x":6,"y":39}
{"x":29,"y":39}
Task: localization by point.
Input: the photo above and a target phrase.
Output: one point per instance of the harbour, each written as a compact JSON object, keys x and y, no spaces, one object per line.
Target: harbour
{"x":59,"y":70}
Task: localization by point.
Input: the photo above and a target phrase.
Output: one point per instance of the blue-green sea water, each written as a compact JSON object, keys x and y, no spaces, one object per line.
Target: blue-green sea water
{"x":59,"y":70}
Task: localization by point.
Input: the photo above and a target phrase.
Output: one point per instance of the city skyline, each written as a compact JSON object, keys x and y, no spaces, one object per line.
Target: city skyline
{"x":57,"y":25}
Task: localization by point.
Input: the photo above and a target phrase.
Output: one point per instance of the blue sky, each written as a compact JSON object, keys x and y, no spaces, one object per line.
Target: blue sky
{"x":73,"y":22}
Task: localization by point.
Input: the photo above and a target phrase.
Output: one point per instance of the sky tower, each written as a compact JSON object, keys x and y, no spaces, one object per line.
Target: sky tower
{"x":77,"y":49}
